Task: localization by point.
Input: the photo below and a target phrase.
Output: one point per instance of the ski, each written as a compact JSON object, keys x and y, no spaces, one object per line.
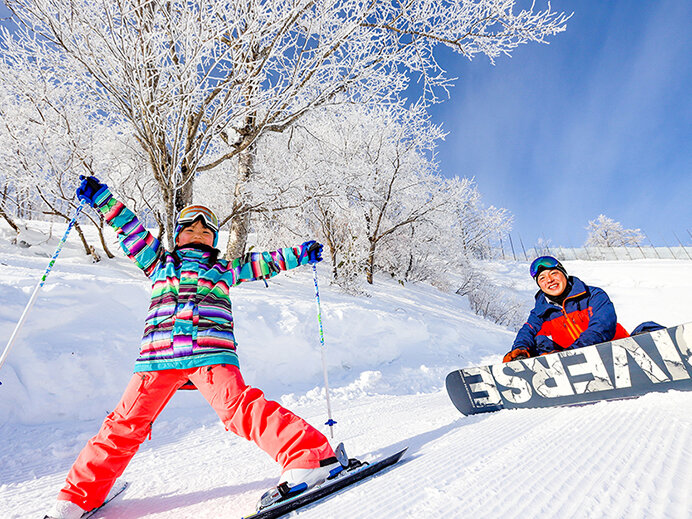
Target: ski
{"x":625,"y":368}
{"x":349,"y":477}
{"x":115,"y":492}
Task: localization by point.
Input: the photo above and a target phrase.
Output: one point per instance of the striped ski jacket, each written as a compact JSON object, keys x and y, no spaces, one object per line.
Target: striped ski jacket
{"x":586,"y":317}
{"x":189,"y":323}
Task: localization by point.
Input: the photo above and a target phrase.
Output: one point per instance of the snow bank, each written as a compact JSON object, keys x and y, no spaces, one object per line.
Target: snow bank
{"x":76,"y":351}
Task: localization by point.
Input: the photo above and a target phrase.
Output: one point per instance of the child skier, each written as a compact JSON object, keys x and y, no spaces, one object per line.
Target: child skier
{"x":188,"y":337}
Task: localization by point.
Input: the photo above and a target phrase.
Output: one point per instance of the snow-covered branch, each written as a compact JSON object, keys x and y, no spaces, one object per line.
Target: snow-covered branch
{"x":200,"y":82}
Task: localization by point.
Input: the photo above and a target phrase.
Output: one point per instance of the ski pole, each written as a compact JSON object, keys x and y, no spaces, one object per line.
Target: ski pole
{"x":329,"y":422}
{"x":40,"y":284}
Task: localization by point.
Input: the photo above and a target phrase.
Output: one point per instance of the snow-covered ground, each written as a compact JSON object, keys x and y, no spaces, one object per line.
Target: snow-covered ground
{"x":388,"y":355}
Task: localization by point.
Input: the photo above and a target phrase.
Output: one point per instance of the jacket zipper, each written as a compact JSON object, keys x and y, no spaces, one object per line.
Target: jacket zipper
{"x":572,"y":328}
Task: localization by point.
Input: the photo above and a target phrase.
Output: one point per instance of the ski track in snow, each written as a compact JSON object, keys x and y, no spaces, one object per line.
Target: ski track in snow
{"x":388,"y":355}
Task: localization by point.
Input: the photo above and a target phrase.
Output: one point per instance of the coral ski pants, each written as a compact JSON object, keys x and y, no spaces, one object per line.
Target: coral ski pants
{"x":244,"y":410}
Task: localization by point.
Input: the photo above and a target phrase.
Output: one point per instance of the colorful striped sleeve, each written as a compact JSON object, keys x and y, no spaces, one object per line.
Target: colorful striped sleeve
{"x":264,"y":265}
{"x":137,"y":243}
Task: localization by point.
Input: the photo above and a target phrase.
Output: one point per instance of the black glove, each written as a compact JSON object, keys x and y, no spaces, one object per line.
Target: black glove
{"x":89,"y":189}
{"x":313,"y":251}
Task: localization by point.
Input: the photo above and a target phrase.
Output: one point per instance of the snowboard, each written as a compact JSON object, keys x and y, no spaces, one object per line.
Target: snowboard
{"x":650,"y":362}
{"x":345,"y":479}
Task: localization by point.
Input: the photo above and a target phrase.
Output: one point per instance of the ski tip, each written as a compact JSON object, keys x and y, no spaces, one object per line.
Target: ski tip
{"x":401,"y":453}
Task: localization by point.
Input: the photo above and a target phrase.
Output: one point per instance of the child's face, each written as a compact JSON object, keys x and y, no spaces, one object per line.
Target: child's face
{"x":196,"y":233}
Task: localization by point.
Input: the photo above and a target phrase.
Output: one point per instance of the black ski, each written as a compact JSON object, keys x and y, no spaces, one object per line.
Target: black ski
{"x":330,"y":487}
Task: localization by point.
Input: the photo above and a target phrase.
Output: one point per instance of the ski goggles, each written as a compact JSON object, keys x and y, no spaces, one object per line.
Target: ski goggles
{"x":192,"y":212}
{"x":544,"y":263}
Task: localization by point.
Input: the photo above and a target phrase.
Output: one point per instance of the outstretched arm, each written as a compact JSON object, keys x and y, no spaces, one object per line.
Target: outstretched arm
{"x":137,"y":243}
{"x":263,"y":265}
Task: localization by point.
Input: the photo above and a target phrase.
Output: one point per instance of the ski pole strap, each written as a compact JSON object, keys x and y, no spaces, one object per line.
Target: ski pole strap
{"x":40,"y":284}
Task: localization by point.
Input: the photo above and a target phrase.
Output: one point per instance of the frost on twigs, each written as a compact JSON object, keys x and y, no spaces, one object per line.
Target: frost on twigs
{"x":495,"y":303}
{"x":198,"y":83}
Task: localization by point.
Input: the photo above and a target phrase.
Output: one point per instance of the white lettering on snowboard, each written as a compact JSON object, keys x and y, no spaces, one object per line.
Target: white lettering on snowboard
{"x":621,"y":366}
{"x":550,"y":382}
{"x":669,"y":354}
{"x":486,"y":385}
{"x":683,"y":336}
{"x":519,"y":389}
{"x":592,"y":365}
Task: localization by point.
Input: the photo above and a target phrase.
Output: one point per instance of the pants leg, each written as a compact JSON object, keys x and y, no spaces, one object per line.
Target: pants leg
{"x":244,"y":410}
{"x":106,"y":455}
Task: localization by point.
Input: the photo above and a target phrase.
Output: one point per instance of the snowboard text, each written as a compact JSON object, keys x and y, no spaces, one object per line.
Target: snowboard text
{"x":603,"y":367}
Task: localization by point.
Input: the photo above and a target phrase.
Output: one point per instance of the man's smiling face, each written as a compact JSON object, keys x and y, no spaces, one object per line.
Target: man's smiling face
{"x":552,"y":282}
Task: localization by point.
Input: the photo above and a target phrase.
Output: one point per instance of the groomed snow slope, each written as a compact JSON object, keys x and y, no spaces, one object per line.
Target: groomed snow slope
{"x":387,"y":354}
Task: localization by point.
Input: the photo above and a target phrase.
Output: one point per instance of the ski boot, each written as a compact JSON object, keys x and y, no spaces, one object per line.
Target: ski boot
{"x":297,"y":481}
{"x":65,"y":510}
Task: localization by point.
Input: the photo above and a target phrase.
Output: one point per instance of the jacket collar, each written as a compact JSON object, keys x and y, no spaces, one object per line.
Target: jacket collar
{"x":194,"y":251}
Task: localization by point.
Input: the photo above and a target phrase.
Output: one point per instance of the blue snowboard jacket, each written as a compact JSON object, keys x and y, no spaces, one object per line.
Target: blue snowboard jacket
{"x":585,"y":317}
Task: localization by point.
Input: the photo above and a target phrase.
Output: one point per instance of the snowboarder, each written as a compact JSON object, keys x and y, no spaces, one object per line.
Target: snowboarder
{"x":188,"y":337}
{"x":568,"y":314}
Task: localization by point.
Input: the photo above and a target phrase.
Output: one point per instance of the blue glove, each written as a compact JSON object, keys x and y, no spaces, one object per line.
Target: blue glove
{"x":544,"y":345}
{"x":89,"y":189}
{"x":313,"y":251}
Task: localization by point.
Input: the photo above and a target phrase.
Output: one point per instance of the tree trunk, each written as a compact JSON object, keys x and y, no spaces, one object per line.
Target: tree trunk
{"x":160,"y":221}
{"x":333,"y":256}
{"x":371,"y":262}
{"x":169,"y":213}
{"x":102,"y":238}
{"x":240,"y":222}
{"x":183,"y":197}
{"x":4,"y":214}
{"x":88,"y":249}
{"x":409,"y":268}
{"x":180,"y":199}
{"x":330,"y":239}
{"x":8,"y":219}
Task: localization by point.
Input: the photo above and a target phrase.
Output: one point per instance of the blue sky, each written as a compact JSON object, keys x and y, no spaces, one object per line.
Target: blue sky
{"x":596,"y":122}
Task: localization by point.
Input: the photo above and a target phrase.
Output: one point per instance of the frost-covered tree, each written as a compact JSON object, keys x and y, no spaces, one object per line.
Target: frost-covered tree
{"x":605,"y":232}
{"x":362,"y":180}
{"x":200,"y":81}
{"x":41,"y":146}
{"x":372,"y":170}
{"x":47,"y":138}
{"x":462,"y":230}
